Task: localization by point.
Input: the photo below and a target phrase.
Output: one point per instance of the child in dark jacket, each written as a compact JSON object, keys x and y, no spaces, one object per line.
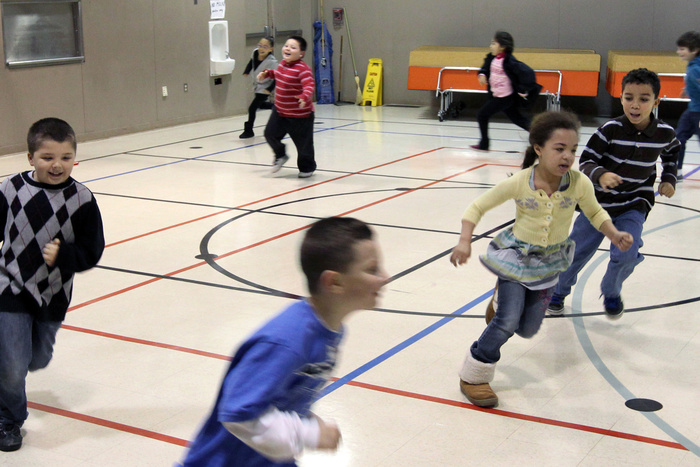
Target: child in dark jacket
{"x":510,"y":83}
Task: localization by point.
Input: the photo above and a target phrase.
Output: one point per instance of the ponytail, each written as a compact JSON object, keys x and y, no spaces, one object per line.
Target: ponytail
{"x":530,"y":157}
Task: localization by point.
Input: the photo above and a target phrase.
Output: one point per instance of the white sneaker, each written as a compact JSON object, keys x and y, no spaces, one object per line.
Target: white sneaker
{"x":305,"y":174}
{"x":278,"y":163}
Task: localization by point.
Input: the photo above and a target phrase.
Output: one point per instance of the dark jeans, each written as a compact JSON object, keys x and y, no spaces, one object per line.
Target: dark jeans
{"x":300,"y":130}
{"x":687,"y":127}
{"x":25,"y":345}
{"x":520,"y":311}
{"x":508,"y":105}
{"x":621,"y":263}
{"x":260,"y":101}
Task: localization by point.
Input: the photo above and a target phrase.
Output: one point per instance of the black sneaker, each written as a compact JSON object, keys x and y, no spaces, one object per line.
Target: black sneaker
{"x":556,"y":305}
{"x":10,"y":438}
{"x":613,"y":307}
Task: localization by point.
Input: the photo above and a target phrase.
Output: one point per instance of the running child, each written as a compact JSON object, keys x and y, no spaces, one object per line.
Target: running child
{"x":528,"y":257}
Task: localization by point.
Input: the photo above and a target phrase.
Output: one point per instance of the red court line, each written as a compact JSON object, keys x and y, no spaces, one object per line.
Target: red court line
{"x":528,"y":418}
{"x":108,"y":424}
{"x":371,"y":387}
{"x":296,"y":190}
{"x":276,"y":237}
{"x":145,"y":342}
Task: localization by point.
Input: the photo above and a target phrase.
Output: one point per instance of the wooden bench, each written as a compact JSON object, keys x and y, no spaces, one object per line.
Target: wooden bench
{"x":568,"y":72}
{"x":669,"y":67}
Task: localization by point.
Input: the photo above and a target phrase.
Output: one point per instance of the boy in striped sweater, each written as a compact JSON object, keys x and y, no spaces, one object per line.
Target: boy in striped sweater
{"x":620,"y":158}
{"x":293,"y":113}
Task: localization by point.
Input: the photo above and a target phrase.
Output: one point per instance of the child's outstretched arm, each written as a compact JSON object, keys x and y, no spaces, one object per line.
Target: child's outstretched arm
{"x":281,"y":436}
{"x":622,"y":240}
{"x":463,"y":250}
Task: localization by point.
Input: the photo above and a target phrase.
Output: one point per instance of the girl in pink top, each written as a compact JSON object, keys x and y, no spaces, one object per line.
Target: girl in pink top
{"x":511,"y":84}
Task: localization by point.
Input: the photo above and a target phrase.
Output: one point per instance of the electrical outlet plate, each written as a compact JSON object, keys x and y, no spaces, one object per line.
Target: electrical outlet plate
{"x":165,"y":91}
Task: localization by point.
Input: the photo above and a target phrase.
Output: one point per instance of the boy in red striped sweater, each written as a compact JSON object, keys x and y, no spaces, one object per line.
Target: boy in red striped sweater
{"x":293,"y":113}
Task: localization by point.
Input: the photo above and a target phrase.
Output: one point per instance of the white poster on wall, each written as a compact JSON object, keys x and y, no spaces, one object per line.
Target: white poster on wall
{"x":218,"y":9}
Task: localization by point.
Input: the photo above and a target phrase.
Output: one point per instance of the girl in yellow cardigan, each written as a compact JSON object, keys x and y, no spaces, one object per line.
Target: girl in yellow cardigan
{"x":528,"y":257}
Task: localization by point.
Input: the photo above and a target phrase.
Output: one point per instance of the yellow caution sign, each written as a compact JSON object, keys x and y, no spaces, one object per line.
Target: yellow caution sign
{"x":372,"y":93}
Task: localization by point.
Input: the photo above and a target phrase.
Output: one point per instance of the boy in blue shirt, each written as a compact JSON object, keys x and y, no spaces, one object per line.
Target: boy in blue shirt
{"x":262,"y":414}
{"x":688,"y":50}
{"x":620,"y":159}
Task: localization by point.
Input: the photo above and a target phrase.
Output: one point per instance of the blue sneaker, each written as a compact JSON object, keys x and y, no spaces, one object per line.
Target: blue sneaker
{"x":556,"y":305}
{"x":613,"y":307}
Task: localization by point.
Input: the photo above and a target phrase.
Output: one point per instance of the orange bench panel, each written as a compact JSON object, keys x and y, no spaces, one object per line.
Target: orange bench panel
{"x":574,"y":83}
{"x":671,"y":86}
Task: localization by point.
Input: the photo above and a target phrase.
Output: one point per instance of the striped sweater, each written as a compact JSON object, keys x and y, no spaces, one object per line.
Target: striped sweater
{"x":619,"y":147}
{"x":294,"y":81}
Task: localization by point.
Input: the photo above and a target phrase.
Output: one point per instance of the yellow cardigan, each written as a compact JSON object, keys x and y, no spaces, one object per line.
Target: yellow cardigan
{"x":540,"y":219}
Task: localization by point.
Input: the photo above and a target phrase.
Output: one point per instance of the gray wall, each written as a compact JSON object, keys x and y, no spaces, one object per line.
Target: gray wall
{"x":390,"y":30}
{"x":133,"y":47}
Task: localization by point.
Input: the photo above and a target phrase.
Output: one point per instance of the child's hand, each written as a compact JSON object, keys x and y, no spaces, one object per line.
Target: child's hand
{"x":302,"y":103}
{"x":329,"y":435}
{"x":261,"y":76}
{"x":666,"y":189}
{"x":623,"y":240}
{"x":50,"y":251}
{"x":609,"y":180}
{"x":482,"y":80}
{"x":461,"y":253}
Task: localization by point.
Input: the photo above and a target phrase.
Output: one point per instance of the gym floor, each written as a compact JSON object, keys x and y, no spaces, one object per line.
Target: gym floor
{"x":202,"y":248}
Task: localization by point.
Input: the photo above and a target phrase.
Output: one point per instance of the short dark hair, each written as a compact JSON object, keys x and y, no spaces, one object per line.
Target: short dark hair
{"x":329,"y":246}
{"x":301,"y":41}
{"x":270,"y":39}
{"x":543,"y":125}
{"x":506,"y":40}
{"x":643,"y":76}
{"x":50,"y":129}
{"x":691,"y":40}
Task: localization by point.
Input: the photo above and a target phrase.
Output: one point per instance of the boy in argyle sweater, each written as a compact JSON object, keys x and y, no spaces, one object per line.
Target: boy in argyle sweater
{"x":50,"y":228}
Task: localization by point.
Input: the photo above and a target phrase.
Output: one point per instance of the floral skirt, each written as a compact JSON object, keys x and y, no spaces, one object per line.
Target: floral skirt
{"x":533,"y":266}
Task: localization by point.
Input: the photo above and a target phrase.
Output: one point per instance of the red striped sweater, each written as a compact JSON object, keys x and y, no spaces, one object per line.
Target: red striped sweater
{"x":293,"y":81}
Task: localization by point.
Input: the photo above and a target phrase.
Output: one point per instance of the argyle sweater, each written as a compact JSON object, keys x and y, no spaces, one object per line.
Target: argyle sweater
{"x":32,"y":214}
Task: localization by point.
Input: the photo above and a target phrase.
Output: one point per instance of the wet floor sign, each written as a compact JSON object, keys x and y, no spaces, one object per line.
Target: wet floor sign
{"x":372,"y":93}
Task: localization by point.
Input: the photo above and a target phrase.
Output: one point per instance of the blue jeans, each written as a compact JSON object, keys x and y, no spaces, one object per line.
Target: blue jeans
{"x":621,"y":263}
{"x":687,"y":127}
{"x":25,"y":345}
{"x":520,"y":311}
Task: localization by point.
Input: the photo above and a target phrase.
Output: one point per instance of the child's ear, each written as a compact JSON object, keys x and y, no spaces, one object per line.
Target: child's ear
{"x":30,"y":158}
{"x":538,"y":149}
{"x":331,"y":281}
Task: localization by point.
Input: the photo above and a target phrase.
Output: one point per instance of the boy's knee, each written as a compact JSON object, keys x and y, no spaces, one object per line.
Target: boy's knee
{"x":40,"y":362}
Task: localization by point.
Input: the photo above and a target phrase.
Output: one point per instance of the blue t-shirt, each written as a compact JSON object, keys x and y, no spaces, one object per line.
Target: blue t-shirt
{"x":284,"y":364}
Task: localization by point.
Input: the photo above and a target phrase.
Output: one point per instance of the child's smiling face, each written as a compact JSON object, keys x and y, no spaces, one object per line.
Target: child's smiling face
{"x":53,"y":162}
{"x":291,"y":52}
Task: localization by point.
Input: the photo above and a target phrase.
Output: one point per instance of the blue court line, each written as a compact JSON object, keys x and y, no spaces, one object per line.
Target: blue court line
{"x":398,"y":348}
{"x":587,"y":345}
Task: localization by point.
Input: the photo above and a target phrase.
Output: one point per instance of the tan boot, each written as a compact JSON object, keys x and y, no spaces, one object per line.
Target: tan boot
{"x":480,"y":395}
{"x":474,"y":379}
{"x":493,"y":305}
